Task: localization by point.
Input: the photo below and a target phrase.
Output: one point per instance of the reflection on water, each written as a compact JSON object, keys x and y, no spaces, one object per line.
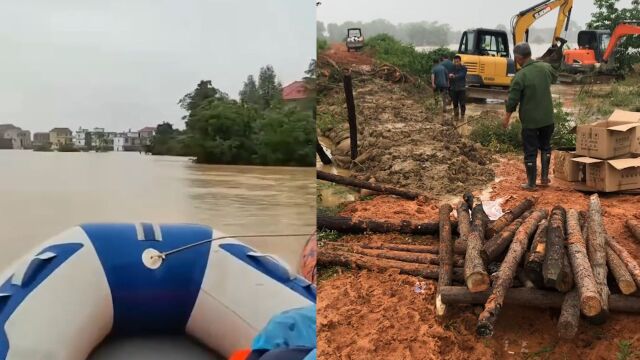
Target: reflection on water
{"x":44,"y":193}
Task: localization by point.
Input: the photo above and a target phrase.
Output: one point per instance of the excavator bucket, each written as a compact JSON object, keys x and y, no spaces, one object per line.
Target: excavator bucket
{"x":553,"y":55}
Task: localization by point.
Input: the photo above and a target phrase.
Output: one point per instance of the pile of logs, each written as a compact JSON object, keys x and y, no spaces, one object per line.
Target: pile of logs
{"x":530,"y":256}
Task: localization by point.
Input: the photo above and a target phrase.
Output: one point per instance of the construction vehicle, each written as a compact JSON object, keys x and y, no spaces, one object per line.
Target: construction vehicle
{"x":522,"y":21}
{"x":485,"y":53}
{"x":593,"y":60}
{"x":355,"y":40}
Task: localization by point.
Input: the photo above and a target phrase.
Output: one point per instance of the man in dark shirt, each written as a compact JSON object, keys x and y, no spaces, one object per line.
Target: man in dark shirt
{"x":530,"y":91}
{"x":444,"y":60}
{"x":440,"y":83}
{"x":458,"y":82}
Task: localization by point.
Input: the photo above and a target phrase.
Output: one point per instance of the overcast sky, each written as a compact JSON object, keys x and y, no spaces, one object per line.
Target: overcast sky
{"x":124,"y":64}
{"x":460,"y":14}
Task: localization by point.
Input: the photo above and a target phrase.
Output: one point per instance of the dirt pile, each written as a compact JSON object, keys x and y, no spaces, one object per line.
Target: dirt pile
{"x":403,"y":141}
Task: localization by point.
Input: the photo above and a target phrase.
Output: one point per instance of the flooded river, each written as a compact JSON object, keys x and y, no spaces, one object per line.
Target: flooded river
{"x":43,"y":194}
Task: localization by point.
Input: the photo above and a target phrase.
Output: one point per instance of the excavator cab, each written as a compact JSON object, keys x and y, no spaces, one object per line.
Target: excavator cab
{"x":485,"y":53}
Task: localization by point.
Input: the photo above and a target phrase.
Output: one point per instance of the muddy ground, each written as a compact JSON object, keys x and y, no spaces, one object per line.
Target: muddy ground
{"x":366,"y":315}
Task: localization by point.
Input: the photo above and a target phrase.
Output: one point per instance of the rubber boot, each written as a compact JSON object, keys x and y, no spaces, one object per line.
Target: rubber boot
{"x":531,"y":177}
{"x":545,"y":160}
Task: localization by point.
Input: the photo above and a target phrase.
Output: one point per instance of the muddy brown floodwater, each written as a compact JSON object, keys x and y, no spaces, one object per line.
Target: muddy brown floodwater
{"x":43,"y":194}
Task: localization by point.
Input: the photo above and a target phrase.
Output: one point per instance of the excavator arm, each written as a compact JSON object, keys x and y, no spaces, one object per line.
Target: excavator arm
{"x":521,"y":22}
{"x":619,"y":32}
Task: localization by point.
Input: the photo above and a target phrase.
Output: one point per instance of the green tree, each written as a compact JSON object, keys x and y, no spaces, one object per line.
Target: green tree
{"x":285,"y":137}
{"x":269,"y":87}
{"x":249,"y":94}
{"x":607,"y":16}
{"x":203,"y":92}
{"x":320,"y":29}
{"x":164,"y":129}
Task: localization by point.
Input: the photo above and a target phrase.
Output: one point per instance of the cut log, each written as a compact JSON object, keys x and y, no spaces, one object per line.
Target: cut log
{"x":590,"y":303}
{"x":535,"y":258}
{"x":464,"y":220}
{"x":445,"y":255}
{"x":493,"y":248}
{"x":348,"y":225}
{"x":459,"y":247}
{"x":627,"y":259}
{"x":597,"y":252}
{"x":351,"y":114}
{"x":508,"y":217}
{"x":544,"y":299}
{"x":409,"y":257}
{"x":569,"y":315}
{"x":340,"y":258}
{"x":381,"y":188}
{"x":475,"y":273}
{"x":322,"y":154}
{"x":555,"y":256}
{"x":634,"y":227}
{"x":565,"y":282}
{"x":620,"y":273}
{"x":507,"y":271}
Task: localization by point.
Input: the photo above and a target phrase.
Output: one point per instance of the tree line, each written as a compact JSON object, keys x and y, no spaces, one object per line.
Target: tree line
{"x":258,"y":129}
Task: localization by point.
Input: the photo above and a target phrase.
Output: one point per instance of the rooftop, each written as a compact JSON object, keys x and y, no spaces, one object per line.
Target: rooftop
{"x":297,"y":90}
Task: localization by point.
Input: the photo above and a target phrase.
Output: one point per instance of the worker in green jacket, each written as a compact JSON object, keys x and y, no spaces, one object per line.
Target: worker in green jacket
{"x":531,"y":90}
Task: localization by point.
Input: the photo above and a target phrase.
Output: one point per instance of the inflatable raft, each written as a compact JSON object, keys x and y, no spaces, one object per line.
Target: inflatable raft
{"x":94,"y":280}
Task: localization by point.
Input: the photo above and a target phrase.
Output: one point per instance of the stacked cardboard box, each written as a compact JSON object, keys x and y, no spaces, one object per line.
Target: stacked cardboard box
{"x":607,"y":153}
{"x":606,"y":157}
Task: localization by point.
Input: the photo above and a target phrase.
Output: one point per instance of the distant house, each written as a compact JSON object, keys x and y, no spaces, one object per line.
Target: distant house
{"x":127,"y":141}
{"x":294,"y":92}
{"x":14,"y":137}
{"x":60,"y":136}
{"x":41,"y":139}
{"x":145,"y":134}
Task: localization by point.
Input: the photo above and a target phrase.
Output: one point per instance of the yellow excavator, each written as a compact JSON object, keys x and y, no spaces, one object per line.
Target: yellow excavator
{"x":485,"y":52}
{"x":522,"y":21}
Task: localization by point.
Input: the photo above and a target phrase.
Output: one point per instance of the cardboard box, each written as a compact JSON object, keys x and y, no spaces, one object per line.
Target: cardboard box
{"x":607,"y":139}
{"x":622,"y":115}
{"x":611,"y":175}
{"x":564,"y":168}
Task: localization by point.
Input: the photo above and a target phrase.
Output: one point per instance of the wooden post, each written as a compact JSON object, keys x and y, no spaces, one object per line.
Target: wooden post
{"x":404,"y":256}
{"x":386,"y":189}
{"x":351,"y":114}
{"x":627,"y":259}
{"x":475,"y":273}
{"x":322,"y":154}
{"x":531,"y":297}
{"x":634,"y":227}
{"x":464,"y":220}
{"x":507,"y":271}
{"x":509,"y":217}
{"x":555,"y":256}
{"x":569,"y":315}
{"x":590,"y":302}
{"x":340,"y":258}
{"x":620,"y":273}
{"x":597,"y":251}
{"x":348,"y":225}
{"x":500,"y":242}
{"x":535,"y":258}
{"x":459,"y":247}
{"x":445,"y":256}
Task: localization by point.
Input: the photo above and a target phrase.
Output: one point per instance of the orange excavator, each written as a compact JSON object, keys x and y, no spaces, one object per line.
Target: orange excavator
{"x":593,"y":57}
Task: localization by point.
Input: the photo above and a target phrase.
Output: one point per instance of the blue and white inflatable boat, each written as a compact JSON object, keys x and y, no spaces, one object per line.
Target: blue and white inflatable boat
{"x":94,"y":280}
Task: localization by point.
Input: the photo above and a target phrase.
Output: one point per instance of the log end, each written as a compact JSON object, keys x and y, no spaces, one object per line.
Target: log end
{"x":627,"y":287}
{"x":484,"y":329}
{"x":478,"y":282}
{"x":590,"y":305}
